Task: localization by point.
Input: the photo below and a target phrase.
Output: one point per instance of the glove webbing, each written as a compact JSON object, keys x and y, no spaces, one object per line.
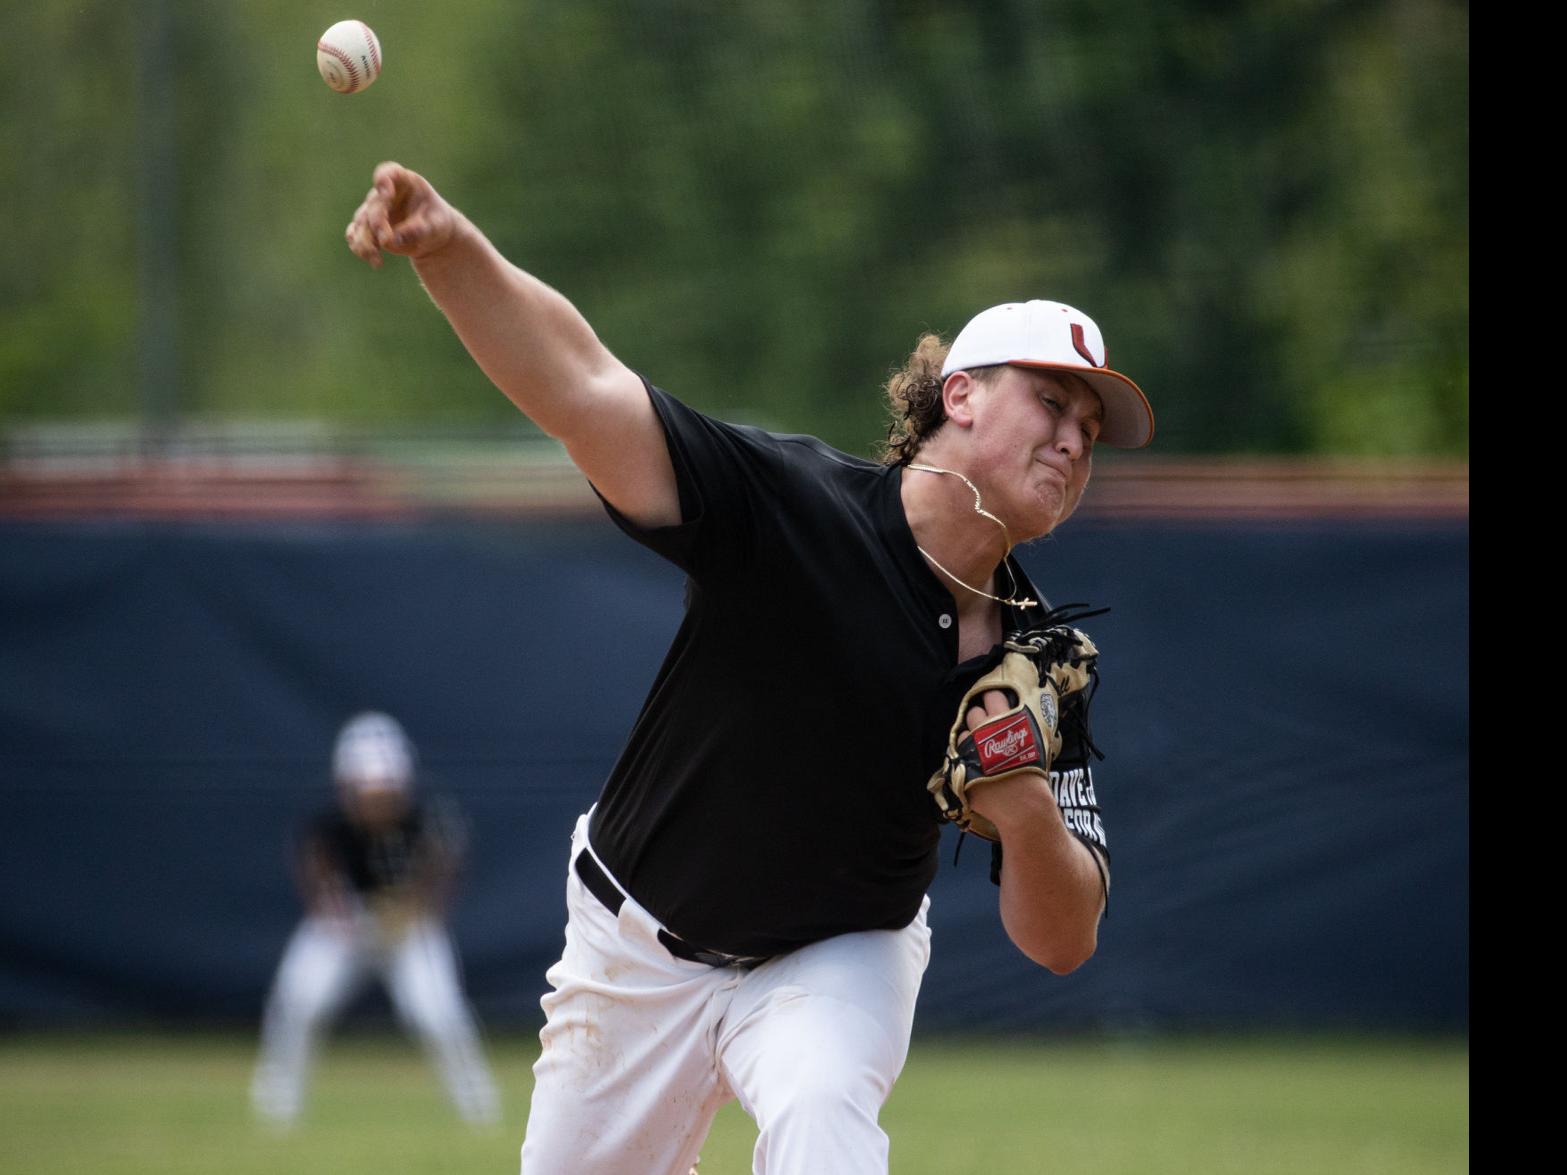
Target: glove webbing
{"x":1045,"y":646}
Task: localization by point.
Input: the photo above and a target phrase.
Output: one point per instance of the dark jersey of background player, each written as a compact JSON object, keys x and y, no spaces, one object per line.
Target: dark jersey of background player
{"x":372,"y":858}
{"x":772,"y":792}
{"x":413,"y":850}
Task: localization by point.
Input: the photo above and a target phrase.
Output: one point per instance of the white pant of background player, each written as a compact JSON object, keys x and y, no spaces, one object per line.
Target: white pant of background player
{"x":640,"y":1048}
{"x":326,"y":963}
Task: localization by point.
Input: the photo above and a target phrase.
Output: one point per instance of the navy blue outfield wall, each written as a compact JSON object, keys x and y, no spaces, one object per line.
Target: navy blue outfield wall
{"x":1284,"y":707}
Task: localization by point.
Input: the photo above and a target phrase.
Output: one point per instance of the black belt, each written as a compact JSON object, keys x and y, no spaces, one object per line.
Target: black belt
{"x":605,"y":890}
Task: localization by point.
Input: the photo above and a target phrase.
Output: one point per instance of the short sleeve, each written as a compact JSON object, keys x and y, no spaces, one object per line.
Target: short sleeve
{"x":724,"y":473}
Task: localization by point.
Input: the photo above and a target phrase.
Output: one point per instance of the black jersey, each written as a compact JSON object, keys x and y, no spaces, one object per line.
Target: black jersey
{"x":772,"y":792}
{"x":375,"y":860}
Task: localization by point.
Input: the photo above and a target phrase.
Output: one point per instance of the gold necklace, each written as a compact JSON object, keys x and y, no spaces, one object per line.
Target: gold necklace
{"x":1011,"y":601}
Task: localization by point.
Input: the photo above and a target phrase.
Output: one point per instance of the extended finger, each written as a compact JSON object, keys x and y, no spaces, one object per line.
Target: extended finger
{"x":384,"y":178}
{"x":370,"y":217}
{"x":362,"y":242}
{"x":392,"y":189}
{"x":380,"y":227}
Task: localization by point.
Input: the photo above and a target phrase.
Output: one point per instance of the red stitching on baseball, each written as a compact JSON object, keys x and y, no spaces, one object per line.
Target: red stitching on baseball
{"x":375,"y":52}
{"x":348,"y":62}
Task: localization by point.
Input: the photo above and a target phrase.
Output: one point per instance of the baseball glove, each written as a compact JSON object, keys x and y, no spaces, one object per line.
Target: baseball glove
{"x":1039,"y":670}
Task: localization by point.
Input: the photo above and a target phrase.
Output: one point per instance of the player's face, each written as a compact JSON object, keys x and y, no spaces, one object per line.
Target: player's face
{"x":373,"y":806}
{"x":1033,"y":438}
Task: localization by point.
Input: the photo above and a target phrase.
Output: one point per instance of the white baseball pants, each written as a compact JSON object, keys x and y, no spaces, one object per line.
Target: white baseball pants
{"x":326,"y":962}
{"x":640,"y":1049}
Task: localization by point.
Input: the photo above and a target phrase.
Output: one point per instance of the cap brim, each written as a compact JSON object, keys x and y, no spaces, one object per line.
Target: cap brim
{"x":1128,"y":415}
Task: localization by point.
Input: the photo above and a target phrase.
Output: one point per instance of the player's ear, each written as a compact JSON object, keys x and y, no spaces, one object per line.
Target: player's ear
{"x":956,"y":398}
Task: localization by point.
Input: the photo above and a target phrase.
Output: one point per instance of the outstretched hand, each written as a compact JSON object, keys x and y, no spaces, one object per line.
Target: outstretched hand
{"x":403,"y":214}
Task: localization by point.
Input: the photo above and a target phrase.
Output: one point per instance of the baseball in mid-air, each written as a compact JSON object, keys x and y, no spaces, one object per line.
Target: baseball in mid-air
{"x":348,"y":56}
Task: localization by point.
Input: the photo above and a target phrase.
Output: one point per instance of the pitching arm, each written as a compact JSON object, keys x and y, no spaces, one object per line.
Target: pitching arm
{"x":532,"y":343}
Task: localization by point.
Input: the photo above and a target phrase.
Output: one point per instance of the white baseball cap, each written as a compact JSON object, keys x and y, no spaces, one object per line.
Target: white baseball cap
{"x":373,"y":754}
{"x":1054,"y":336}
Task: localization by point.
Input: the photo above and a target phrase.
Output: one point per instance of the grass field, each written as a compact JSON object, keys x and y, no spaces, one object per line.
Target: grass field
{"x":175,"y":1105}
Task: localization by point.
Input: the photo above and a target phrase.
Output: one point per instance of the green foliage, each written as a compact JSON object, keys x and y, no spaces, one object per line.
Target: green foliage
{"x":1265,"y":204}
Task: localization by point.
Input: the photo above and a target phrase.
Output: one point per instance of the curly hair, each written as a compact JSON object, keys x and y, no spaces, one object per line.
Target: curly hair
{"x":914,"y":399}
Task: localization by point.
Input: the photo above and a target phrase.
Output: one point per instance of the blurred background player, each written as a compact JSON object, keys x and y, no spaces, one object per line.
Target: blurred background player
{"x":376,"y":872}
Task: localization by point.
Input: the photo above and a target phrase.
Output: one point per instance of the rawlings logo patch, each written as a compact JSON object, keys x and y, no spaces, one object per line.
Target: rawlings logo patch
{"x":1006,"y":743}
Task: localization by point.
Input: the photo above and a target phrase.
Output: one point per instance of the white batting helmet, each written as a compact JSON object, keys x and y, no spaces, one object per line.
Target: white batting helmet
{"x":373,"y":754}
